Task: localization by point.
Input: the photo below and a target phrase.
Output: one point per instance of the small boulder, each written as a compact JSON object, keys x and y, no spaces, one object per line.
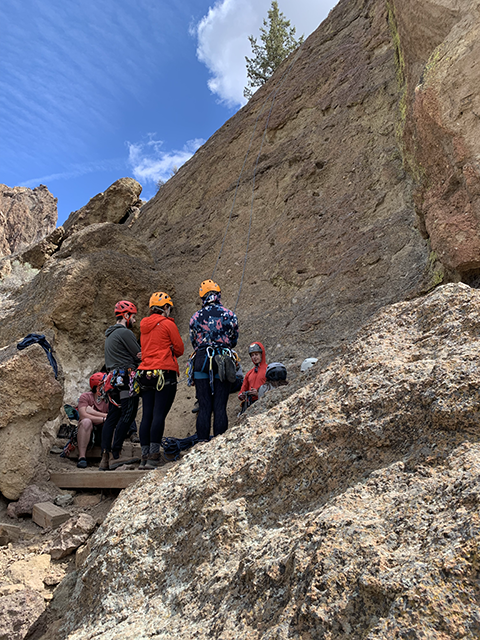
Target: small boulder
{"x":71,"y":535}
{"x":30,"y":497}
{"x":64,"y":500}
{"x":112,"y":205}
{"x":9,"y":533}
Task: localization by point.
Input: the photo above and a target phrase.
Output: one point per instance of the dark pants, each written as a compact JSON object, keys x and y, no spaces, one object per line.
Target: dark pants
{"x":155,"y":408}
{"x":208,"y":404}
{"x":118,"y":421}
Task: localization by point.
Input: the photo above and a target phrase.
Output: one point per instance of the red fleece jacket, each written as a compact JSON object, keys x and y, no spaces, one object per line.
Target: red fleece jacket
{"x":257,"y":375}
{"x":161,"y":343}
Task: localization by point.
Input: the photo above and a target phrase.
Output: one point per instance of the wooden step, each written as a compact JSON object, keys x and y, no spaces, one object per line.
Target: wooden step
{"x":47,"y":514}
{"x":94,"y":479}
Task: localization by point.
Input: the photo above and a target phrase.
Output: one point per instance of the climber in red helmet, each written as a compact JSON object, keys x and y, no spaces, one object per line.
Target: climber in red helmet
{"x":122,"y":356}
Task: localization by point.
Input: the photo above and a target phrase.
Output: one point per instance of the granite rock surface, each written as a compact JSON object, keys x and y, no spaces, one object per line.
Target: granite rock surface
{"x":350,"y":510}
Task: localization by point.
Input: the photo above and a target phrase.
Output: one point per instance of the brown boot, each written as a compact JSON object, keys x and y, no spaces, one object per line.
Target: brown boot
{"x":104,"y":462}
{"x":154,"y":461}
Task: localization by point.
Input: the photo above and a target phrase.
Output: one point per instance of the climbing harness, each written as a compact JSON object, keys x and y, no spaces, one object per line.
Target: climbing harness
{"x":118,"y":381}
{"x":142,"y":376}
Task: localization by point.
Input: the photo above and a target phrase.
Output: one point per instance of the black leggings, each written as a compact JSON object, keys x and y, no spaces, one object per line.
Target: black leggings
{"x":209,"y":403}
{"x":155,"y":408}
{"x":118,"y":420}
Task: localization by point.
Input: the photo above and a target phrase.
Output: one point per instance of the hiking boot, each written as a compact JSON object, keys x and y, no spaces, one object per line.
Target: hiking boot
{"x":154,"y":461}
{"x":104,"y":462}
{"x":143,"y":462}
{"x":82,"y":463}
{"x":196,"y":407}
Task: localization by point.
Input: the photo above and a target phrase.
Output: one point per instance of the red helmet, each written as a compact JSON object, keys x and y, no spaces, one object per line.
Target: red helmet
{"x":95,"y":380}
{"x":124,"y":306}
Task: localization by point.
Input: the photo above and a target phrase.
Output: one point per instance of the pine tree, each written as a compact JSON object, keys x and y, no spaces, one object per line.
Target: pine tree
{"x":278,"y":39}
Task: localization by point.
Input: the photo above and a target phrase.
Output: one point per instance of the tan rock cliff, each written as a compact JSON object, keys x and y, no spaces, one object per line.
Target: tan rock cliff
{"x":31,"y":396}
{"x":333,"y":235}
{"x":26,"y":216}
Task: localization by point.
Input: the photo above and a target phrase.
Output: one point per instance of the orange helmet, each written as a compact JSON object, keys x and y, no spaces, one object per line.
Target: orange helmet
{"x":124,"y":306}
{"x":95,"y":380}
{"x":159,"y":299}
{"x":207,"y":286}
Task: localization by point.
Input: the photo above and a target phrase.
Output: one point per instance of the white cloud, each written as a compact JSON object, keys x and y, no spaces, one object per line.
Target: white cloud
{"x":75,"y":171}
{"x":223,"y":38}
{"x":150,"y":162}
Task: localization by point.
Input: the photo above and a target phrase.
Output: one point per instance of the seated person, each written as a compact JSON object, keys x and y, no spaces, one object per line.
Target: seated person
{"x":255,"y":377}
{"x":276,"y":376}
{"x":93,"y":412}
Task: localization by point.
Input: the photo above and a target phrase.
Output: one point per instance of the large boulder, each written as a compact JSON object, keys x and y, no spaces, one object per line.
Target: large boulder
{"x":73,"y":297}
{"x":26,"y":216}
{"x":112,"y":205}
{"x":31,"y":396}
{"x":350,"y":510}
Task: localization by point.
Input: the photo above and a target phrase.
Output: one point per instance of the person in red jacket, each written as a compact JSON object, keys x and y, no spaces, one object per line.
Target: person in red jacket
{"x":157,"y":375}
{"x":255,"y":377}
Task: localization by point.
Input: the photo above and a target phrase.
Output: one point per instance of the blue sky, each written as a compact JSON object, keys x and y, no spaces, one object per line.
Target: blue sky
{"x":94,"y":90}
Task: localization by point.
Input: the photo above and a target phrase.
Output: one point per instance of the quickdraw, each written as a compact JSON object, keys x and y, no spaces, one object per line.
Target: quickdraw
{"x":190,"y":370}
{"x":210,"y":355}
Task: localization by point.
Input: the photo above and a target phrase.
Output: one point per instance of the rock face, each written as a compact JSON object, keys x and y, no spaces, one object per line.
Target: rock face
{"x":26,"y":216}
{"x":113,"y":205}
{"x":441,"y":125}
{"x":349,"y":511}
{"x":333,"y":235}
{"x":30,"y":397}
{"x":364,"y":188}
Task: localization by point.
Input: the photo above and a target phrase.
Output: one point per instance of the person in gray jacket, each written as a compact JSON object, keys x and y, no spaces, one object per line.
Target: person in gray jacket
{"x":122,"y":356}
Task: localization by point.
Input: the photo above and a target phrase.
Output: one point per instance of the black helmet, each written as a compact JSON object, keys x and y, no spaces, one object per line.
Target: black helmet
{"x":254,"y":348}
{"x":276,"y":371}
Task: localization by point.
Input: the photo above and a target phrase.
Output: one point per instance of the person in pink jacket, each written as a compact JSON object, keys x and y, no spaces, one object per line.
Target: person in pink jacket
{"x":157,"y":375}
{"x":255,"y":377}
